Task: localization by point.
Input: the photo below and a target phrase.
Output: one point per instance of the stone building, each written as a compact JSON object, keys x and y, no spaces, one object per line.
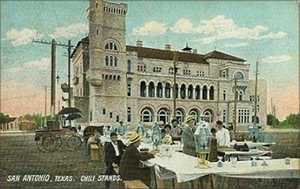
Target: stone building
{"x":115,"y":82}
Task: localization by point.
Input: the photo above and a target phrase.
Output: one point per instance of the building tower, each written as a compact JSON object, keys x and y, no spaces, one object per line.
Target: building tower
{"x":107,"y":55}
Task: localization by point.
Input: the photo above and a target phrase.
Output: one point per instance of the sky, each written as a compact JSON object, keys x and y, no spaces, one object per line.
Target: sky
{"x":266,"y":31}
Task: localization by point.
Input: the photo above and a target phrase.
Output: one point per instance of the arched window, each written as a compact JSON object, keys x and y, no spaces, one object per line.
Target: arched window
{"x":146,"y":115}
{"x":239,"y":75}
{"x":114,"y":77}
{"x":171,"y":70}
{"x":143,"y":89}
{"x":110,"y":77}
{"x":168,"y":90}
{"x":180,"y":115}
{"x":111,"y":60}
{"x":208,"y":116}
{"x":116,"y":61}
{"x":224,"y":94}
{"x":129,"y":66}
{"x":204,"y":93}
{"x":195,"y":113}
{"x":190,"y":92}
{"x":106,"y":60}
{"x":211,"y":93}
{"x":111,"y":45}
{"x":197,"y":92}
{"x":163,"y":115}
{"x":119,"y":77}
{"x":159,"y":90}
{"x":182,"y":91}
{"x":106,"y":77}
{"x":151,"y":89}
{"x":240,"y":95}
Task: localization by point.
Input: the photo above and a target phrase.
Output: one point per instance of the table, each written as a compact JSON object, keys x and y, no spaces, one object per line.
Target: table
{"x":251,"y":144}
{"x":184,"y":168}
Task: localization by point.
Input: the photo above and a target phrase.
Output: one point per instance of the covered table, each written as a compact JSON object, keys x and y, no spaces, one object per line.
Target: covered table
{"x":185,"y":168}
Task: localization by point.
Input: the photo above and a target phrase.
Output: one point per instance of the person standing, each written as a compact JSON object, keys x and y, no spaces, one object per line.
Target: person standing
{"x":222,"y":135}
{"x":130,"y":168}
{"x":188,"y":139}
{"x":213,"y":146}
{"x":113,"y":154}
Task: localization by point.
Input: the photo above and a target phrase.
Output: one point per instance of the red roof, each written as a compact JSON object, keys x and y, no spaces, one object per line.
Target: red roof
{"x":223,"y":56}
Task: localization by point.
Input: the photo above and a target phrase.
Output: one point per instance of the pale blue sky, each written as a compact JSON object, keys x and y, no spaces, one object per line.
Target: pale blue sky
{"x":271,"y":35}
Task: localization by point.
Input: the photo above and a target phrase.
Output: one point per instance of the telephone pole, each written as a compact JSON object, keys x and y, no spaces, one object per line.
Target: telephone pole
{"x":53,"y":44}
{"x":255,"y":95}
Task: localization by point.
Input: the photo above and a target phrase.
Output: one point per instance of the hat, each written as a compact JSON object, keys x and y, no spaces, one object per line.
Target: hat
{"x":189,"y":118}
{"x":134,"y":137}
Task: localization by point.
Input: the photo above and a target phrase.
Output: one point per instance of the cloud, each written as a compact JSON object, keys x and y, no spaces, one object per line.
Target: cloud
{"x":183,"y":25}
{"x":276,"y":59}
{"x":22,"y":37}
{"x":70,"y":31}
{"x":233,"y":45}
{"x":151,"y":28}
{"x":272,"y":35}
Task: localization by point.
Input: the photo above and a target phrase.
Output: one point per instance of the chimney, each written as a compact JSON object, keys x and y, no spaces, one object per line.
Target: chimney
{"x":167,"y":47}
{"x":195,"y":51}
{"x":139,"y":43}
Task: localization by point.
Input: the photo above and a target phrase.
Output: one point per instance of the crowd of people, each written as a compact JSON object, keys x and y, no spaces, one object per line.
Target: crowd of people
{"x":126,"y":160}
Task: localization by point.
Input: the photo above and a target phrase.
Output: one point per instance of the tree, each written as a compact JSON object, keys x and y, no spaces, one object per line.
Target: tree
{"x":272,"y":120}
{"x":293,"y":120}
{"x":3,"y":118}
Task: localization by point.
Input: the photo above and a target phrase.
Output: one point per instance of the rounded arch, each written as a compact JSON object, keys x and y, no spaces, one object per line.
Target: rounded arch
{"x":197,"y":92}
{"x":163,"y":114}
{"x":240,"y":75}
{"x":168,"y":88}
{"x":190,"y":91}
{"x":151,"y":89}
{"x":146,"y":114}
{"x":204,"y":92}
{"x":180,"y":114}
{"x":183,"y":91}
{"x":159,"y":90}
{"x":211,"y":92}
{"x":207,"y":115}
{"x":143,"y":88}
{"x":195,"y":112}
{"x":112,"y":44}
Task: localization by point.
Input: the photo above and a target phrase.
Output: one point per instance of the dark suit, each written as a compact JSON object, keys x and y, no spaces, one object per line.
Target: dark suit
{"x":110,"y":158}
{"x":129,"y":166}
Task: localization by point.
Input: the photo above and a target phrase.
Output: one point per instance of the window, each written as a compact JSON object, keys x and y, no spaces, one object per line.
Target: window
{"x":211,"y":93}
{"x":182,"y":91}
{"x":224,"y":116}
{"x":143,"y":89}
{"x":146,"y":115}
{"x":91,"y":115}
{"x":204,"y":93}
{"x":163,"y":115}
{"x":179,"y":115}
{"x":224,"y":94}
{"x":224,"y":74}
{"x":151,"y":90}
{"x":208,"y":116}
{"x":141,"y":68}
{"x":156,"y":69}
{"x":111,"y":60}
{"x":116,"y":61}
{"x":186,"y":72}
{"x":200,"y":73}
{"x":197,"y":92}
{"x":238,"y":75}
{"x":111,"y":45}
{"x":240,"y":96}
{"x":103,"y":111}
{"x":168,"y":90}
{"x":110,"y":115}
{"x":129,"y":89}
{"x":159,"y":90}
{"x":106,"y":60}
{"x":129,"y":66}
{"x":128,"y":114}
{"x":243,"y":116}
{"x":195,"y":114}
{"x":190,"y":92}
{"x":117,"y":118}
{"x":171,"y":70}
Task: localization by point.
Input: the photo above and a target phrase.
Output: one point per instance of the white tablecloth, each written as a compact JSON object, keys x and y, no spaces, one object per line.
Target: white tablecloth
{"x":186,"y":169}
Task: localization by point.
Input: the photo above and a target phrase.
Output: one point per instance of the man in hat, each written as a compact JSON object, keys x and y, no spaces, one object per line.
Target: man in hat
{"x":188,"y":136}
{"x":130,"y":168}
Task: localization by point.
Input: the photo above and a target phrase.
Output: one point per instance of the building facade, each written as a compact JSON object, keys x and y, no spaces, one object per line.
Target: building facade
{"x":115,"y":82}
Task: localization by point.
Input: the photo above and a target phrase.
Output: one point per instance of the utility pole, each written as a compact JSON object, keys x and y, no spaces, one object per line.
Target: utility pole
{"x":255,"y":95}
{"x":174,"y":83}
{"x":53,"y":44}
{"x":45,"y":101}
{"x":235,"y":105}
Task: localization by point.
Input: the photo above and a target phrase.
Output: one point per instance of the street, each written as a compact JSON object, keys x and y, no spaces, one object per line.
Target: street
{"x":23,"y":166}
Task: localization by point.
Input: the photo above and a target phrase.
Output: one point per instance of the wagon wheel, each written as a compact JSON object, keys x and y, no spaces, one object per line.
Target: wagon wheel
{"x":74,"y":142}
{"x":49,"y":143}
